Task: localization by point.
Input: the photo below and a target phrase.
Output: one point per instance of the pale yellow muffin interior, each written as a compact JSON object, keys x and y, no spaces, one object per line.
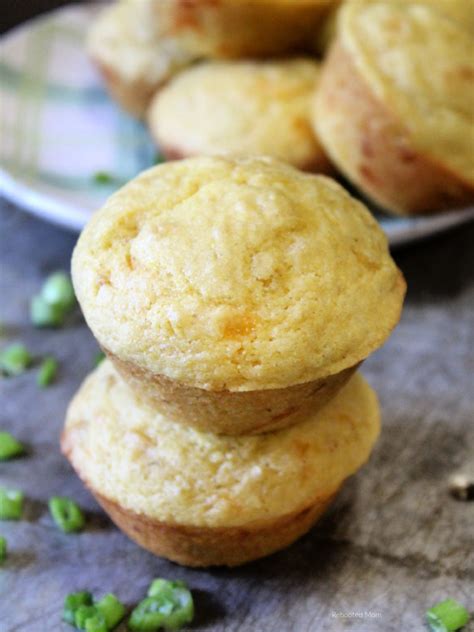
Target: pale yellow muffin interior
{"x":120,"y":40}
{"x":132,"y":455}
{"x":418,"y":58}
{"x":241,"y":108}
{"x":236,"y":274}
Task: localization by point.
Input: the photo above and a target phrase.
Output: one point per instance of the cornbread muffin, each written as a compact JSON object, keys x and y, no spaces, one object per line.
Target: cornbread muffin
{"x":235,"y":28}
{"x":394,"y":107}
{"x":240,"y":108}
{"x":202,"y":499}
{"x":133,"y":62}
{"x":237,"y":294}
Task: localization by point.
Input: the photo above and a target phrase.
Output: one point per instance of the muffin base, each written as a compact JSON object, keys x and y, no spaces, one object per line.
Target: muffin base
{"x":213,"y":546}
{"x":231,"y":412}
{"x":375,"y":150}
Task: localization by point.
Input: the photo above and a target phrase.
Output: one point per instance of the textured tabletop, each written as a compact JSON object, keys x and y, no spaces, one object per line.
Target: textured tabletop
{"x":395,"y":541}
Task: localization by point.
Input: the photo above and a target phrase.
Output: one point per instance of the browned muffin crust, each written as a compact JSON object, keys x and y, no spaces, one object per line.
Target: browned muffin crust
{"x":231,"y":412}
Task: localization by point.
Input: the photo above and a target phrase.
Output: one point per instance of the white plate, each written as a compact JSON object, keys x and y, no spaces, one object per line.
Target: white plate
{"x":58,"y":129}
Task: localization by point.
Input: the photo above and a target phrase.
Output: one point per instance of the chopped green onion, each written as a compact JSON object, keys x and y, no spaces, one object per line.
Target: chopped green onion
{"x":447,"y":616}
{"x":10,"y":447}
{"x":47,"y":372}
{"x":162,"y":587}
{"x":99,"y":358}
{"x":103,"y":177}
{"x":111,"y":609}
{"x":169,"y":605}
{"x":159,"y":158}
{"x":82,"y":614}
{"x":44,"y":314}
{"x":3,"y":549}
{"x":66,"y":514}
{"x":11,"y":504}
{"x":97,"y":623}
{"x":15,"y":359}
{"x":147,"y":616}
{"x":56,"y":299}
{"x":58,"y":290}
{"x":74,"y":601}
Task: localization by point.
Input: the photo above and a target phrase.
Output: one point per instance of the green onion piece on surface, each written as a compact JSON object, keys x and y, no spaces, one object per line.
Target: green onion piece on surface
{"x":103,"y":177}
{"x":58,"y":290}
{"x":111,"y":609}
{"x":147,"y":617}
{"x":159,"y":159}
{"x":10,"y":447}
{"x":3,"y":549}
{"x":15,"y":359}
{"x":168,"y":605}
{"x":66,"y":514}
{"x":82,"y":614}
{"x":97,"y":623}
{"x":47,"y":372}
{"x":447,"y":616}
{"x":44,"y":314}
{"x":164,"y":587}
{"x":11,"y":504}
{"x":99,"y":358}
{"x":74,"y":601}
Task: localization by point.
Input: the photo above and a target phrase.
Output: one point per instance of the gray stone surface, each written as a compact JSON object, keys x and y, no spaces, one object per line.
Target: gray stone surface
{"x":394,"y":542}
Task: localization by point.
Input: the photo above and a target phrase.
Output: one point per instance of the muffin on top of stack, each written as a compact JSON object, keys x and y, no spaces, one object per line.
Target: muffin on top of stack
{"x":235,"y":299}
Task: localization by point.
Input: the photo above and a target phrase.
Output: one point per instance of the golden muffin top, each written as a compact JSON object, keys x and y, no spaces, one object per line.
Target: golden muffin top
{"x":148,"y":464}
{"x":418,"y":57}
{"x":119,"y":39}
{"x":236,"y":274}
{"x":240,"y":108}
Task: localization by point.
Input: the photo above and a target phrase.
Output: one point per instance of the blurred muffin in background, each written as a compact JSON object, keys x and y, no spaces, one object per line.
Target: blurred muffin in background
{"x":394,"y":107}
{"x":235,"y":28}
{"x":202,"y":499}
{"x":326,"y":32}
{"x":240,"y":108}
{"x":132,"y":61}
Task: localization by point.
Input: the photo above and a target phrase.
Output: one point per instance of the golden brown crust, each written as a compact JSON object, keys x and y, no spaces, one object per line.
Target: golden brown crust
{"x":375,"y":150}
{"x":201,"y":546}
{"x":133,"y":96}
{"x":208,"y":546}
{"x":231,"y":412}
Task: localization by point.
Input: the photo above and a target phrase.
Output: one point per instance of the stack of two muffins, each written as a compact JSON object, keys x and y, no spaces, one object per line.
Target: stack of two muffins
{"x":235,"y":300}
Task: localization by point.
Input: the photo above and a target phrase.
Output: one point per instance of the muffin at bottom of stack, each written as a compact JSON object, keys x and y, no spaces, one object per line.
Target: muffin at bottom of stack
{"x":201,"y":499}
